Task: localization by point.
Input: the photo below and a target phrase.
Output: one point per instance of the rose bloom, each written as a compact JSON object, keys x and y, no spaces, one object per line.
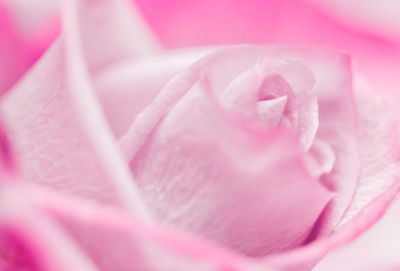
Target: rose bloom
{"x":117,"y":155}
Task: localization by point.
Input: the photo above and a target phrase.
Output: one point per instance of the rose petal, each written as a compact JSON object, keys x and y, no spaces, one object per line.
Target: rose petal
{"x":379,"y":147}
{"x":60,"y":136}
{"x":306,"y":257}
{"x":125,"y":89}
{"x":380,"y":243}
{"x":323,"y":157}
{"x":271,"y":111}
{"x":29,"y":241}
{"x":107,"y":32}
{"x":302,"y":81}
{"x":338,"y":128}
{"x":113,"y":240}
{"x":240,"y":97}
{"x":288,"y":77}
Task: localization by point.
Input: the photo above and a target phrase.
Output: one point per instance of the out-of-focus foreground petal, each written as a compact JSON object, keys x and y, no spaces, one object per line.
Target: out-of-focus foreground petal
{"x":31,"y":241}
{"x":378,"y":17}
{"x":86,"y":232}
{"x":26,"y":30}
{"x":57,"y":128}
{"x":111,"y":239}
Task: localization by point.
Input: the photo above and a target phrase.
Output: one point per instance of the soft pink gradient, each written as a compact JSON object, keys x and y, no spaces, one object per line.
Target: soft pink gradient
{"x":117,"y":155}
{"x":20,"y":49}
{"x":180,"y":23}
{"x":378,"y":17}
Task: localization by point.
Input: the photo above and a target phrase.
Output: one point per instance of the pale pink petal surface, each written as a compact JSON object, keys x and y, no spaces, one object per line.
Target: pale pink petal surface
{"x":126,"y":88}
{"x":307,"y":257}
{"x":381,"y":245}
{"x":379,"y":139}
{"x":206,"y":173}
{"x":60,"y":136}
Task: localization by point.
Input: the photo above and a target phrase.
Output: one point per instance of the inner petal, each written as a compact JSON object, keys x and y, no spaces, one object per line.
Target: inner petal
{"x":240,"y":97}
{"x":271,"y":110}
{"x":322,"y":158}
{"x":274,"y":85}
{"x":260,"y":97}
{"x":294,"y":78}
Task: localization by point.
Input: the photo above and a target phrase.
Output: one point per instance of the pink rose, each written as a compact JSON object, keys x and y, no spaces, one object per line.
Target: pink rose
{"x":126,"y":157}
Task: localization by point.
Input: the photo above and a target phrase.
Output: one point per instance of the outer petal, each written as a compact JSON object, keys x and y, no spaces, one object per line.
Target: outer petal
{"x":113,"y":240}
{"x":106,"y":32}
{"x":338,"y":128}
{"x":306,"y":257}
{"x":125,"y":89}
{"x":379,"y":148}
{"x":60,"y":136}
{"x":379,"y":139}
{"x":90,"y":225}
{"x":30,"y":241}
{"x":381,"y":243}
